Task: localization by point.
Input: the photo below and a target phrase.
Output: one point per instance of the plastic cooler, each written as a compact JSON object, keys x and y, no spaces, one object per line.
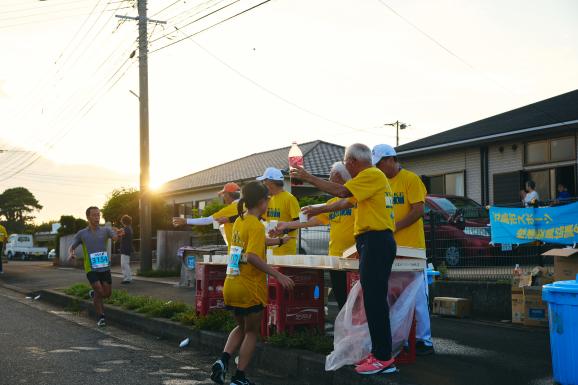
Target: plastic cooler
{"x":562,"y":298}
{"x":303,"y":307}
{"x":209,"y":287}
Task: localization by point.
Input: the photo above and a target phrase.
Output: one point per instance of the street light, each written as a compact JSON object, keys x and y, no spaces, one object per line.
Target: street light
{"x":398,"y":126}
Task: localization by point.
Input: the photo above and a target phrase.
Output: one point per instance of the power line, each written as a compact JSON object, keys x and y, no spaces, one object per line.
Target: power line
{"x":211,"y":26}
{"x":198,"y":19}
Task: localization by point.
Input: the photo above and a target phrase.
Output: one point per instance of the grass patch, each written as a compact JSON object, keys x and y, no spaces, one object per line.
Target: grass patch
{"x":79,"y":290}
{"x":218,"y":321}
{"x":306,"y":340}
{"x":160,"y":273}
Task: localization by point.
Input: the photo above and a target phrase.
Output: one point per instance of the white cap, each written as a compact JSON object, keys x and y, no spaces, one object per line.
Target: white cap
{"x":381,"y":151}
{"x":271,"y":173}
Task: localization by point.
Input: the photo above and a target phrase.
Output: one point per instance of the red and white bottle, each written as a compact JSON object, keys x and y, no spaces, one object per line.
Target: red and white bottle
{"x":295,"y":160}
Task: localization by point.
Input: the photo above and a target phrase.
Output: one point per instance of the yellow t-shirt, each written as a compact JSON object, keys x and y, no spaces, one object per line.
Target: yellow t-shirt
{"x":408,"y":189}
{"x":3,"y":235}
{"x":372,"y":193}
{"x":341,"y":225}
{"x":228,"y":211}
{"x":249,"y":288}
{"x":284,"y":207}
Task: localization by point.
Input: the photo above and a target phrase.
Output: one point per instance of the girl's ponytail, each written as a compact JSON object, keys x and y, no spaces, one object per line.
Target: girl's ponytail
{"x":240,"y":208}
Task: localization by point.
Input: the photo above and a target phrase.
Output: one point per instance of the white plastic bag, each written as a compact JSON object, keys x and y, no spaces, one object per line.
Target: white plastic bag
{"x":351,"y":340}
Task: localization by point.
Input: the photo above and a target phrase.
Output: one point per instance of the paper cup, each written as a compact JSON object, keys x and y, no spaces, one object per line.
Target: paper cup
{"x":302,"y":217}
{"x":216,"y":225}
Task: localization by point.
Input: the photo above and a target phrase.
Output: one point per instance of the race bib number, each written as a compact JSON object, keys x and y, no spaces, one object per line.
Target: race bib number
{"x":99,"y":260}
{"x":234,"y":260}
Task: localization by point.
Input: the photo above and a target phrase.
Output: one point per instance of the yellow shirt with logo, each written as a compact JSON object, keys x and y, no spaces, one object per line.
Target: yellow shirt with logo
{"x":341,"y":224}
{"x":3,"y":234}
{"x":284,"y":207}
{"x":408,"y":189}
{"x":228,"y":211}
{"x":372,"y":193}
{"x":249,"y":288}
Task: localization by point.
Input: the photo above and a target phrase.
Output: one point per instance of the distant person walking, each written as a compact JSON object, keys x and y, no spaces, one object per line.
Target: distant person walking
{"x":3,"y":238}
{"x":126,"y":248}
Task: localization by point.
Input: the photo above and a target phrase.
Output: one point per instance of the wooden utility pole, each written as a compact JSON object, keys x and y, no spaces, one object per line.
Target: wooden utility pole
{"x":145,"y":198}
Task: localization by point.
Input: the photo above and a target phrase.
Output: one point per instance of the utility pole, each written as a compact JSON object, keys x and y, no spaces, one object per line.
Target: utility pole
{"x":144,"y":199}
{"x":398,"y":126}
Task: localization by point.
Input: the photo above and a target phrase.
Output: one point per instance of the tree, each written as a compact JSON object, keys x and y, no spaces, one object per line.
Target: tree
{"x":126,"y":201}
{"x":16,"y":205}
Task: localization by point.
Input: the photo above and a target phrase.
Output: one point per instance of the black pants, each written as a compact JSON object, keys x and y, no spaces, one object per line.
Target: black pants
{"x":377,"y":250}
{"x":339,"y":286}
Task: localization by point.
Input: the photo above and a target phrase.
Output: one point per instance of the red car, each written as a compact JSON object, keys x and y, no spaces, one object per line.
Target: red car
{"x":462,"y":229}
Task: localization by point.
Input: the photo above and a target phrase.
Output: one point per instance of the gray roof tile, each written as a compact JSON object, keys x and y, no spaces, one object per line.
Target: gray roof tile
{"x":318,"y":158}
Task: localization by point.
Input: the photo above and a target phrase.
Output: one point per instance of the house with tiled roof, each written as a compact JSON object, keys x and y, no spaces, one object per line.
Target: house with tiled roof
{"x":490,"y":160}
{"x":199,"y":188}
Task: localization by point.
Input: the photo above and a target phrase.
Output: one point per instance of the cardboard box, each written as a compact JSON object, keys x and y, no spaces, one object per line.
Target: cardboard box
{"x":518,"y":309}
{"x":565,"y":263}
{"x":456,"y":307}
{"x":535,"y":311}
{"x":518,"y":282}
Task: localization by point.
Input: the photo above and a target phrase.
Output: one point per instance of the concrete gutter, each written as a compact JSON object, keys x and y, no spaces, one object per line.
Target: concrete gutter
{"x":306,"y":366}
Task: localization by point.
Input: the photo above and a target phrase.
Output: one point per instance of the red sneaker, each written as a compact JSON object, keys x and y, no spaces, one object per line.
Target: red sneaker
{"x":362,"y":361}
{"x":374,"y":366}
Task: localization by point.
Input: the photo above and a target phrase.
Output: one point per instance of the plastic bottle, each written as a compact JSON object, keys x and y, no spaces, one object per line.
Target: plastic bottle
{"x":295,"y":159}
{"x":316,"y":293}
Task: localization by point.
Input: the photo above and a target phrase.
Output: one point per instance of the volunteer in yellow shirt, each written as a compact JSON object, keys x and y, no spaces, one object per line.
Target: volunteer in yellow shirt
{"x":225,"y":216}
{"x":283,"y":207}
{"x":341,"y":223}
{"x":3,"y":239}
{"x":373,"y":229}
{"x":245,"y":289}
{"x":409,"y":195}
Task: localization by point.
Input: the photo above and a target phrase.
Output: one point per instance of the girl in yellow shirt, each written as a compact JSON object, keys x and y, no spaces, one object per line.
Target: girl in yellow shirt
{"x":245,"y":290}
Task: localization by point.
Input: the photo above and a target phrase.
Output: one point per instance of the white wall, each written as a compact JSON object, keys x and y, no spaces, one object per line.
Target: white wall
{"x":467,"y":160}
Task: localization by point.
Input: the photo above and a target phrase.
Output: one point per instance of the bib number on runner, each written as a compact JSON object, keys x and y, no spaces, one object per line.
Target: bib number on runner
{"x":99,"y":260}
{"x":233,"y":260}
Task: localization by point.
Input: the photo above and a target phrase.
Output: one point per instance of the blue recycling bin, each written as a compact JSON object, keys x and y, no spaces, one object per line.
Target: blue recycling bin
{"x":562,"y":298}
{"x":430,"y":275}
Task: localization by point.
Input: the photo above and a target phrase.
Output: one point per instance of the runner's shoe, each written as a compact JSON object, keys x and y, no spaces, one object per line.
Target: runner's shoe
{"x":101,"y":322}
{"x":218,"y":372}
{"x":421,"y":349}
{"x":241,"y":381}
{"x":374,"y":366}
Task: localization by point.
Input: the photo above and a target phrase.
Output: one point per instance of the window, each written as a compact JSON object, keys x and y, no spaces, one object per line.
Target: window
{"x":455,"y":184}
{"x":448,"y":184}
{"x":542,"y":180}
{"x":562,"y":149}
{"x":551,"y":150}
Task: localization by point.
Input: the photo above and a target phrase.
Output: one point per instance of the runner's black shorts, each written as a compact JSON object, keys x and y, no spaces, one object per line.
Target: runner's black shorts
{"x":245,"y":311}
{"x":99,"y":276}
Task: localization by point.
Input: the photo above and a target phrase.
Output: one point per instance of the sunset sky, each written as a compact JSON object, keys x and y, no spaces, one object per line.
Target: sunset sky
{"x":334,"y":70}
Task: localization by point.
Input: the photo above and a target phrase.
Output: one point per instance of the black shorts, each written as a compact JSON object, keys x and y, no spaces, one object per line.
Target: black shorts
{"x":99,"y":276}
{"x":243,"y":311}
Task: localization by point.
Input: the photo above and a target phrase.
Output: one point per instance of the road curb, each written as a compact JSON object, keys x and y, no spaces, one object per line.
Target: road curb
{"x":304,"y":365}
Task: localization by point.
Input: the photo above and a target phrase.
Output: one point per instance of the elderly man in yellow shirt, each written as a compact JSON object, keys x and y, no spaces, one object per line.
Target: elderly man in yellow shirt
{"x":373,"y":230}
{"x":283,"y":207}
{"x":3,"y":238}
{"x":226,"y":216}
{"x":341,"y":224}
{"x":409,"y":194}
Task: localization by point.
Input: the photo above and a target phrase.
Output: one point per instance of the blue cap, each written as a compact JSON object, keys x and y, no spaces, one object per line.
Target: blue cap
{"x":271,"y":173}
{"x":381,"y":151}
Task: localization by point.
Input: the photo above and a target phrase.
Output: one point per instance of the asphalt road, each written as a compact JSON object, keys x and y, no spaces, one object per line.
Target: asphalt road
{"x":42,"y":345}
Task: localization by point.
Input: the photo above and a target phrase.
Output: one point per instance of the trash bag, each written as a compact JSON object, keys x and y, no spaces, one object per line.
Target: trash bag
{"x":352,"y":342}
